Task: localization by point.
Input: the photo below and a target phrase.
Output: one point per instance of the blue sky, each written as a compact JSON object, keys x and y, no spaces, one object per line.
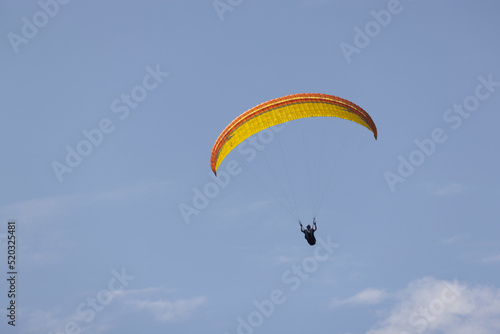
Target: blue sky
{"x":109,"y":113}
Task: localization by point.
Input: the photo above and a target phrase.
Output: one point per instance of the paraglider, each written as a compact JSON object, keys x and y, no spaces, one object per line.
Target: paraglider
{"x":282,"y":110}
{"x":309,"y":232}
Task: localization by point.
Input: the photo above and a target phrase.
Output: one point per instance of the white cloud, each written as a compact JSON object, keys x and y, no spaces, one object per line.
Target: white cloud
{"x":159,"y":302}
{"x":245,"y":209}
{"x":42,"y":322}
{"x":47,"y":258}
{"x":124,"y":303}
{"x":34,"y":210}
{"x":48,"y":208}
{"x":453,"y":239}
{"x":317,"y":3}
{"x":436,"y":306}
{"x":283,"y":259}
{"x":492,"y":259}
{"x":132,"y":191}
{"x":449,"y":190}
{"x":368,"y":296}
{"x":167,"y":311}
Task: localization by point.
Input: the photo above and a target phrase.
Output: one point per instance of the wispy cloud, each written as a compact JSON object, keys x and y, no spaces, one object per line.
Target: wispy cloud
{"x":132,"y":191}
{"x":443,"y":190}
{"x":492,"y":259}
{"x":159,"y":302}
{"x":449,"y":190}
{"x":317,"y":3}
{"x":283,"y":259}
{"x":34,"y":210}
{"x":245,"y":209}
{"x":170,"y":310}
{"x":50,"y":207}
{"x":437,"y":306}
{"x":368,"y":296}
{"x":42,"y":321}
{"x":454,"y":239}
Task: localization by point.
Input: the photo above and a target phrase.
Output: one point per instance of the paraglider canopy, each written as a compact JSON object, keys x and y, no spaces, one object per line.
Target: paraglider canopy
{"x":282,"y":110}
